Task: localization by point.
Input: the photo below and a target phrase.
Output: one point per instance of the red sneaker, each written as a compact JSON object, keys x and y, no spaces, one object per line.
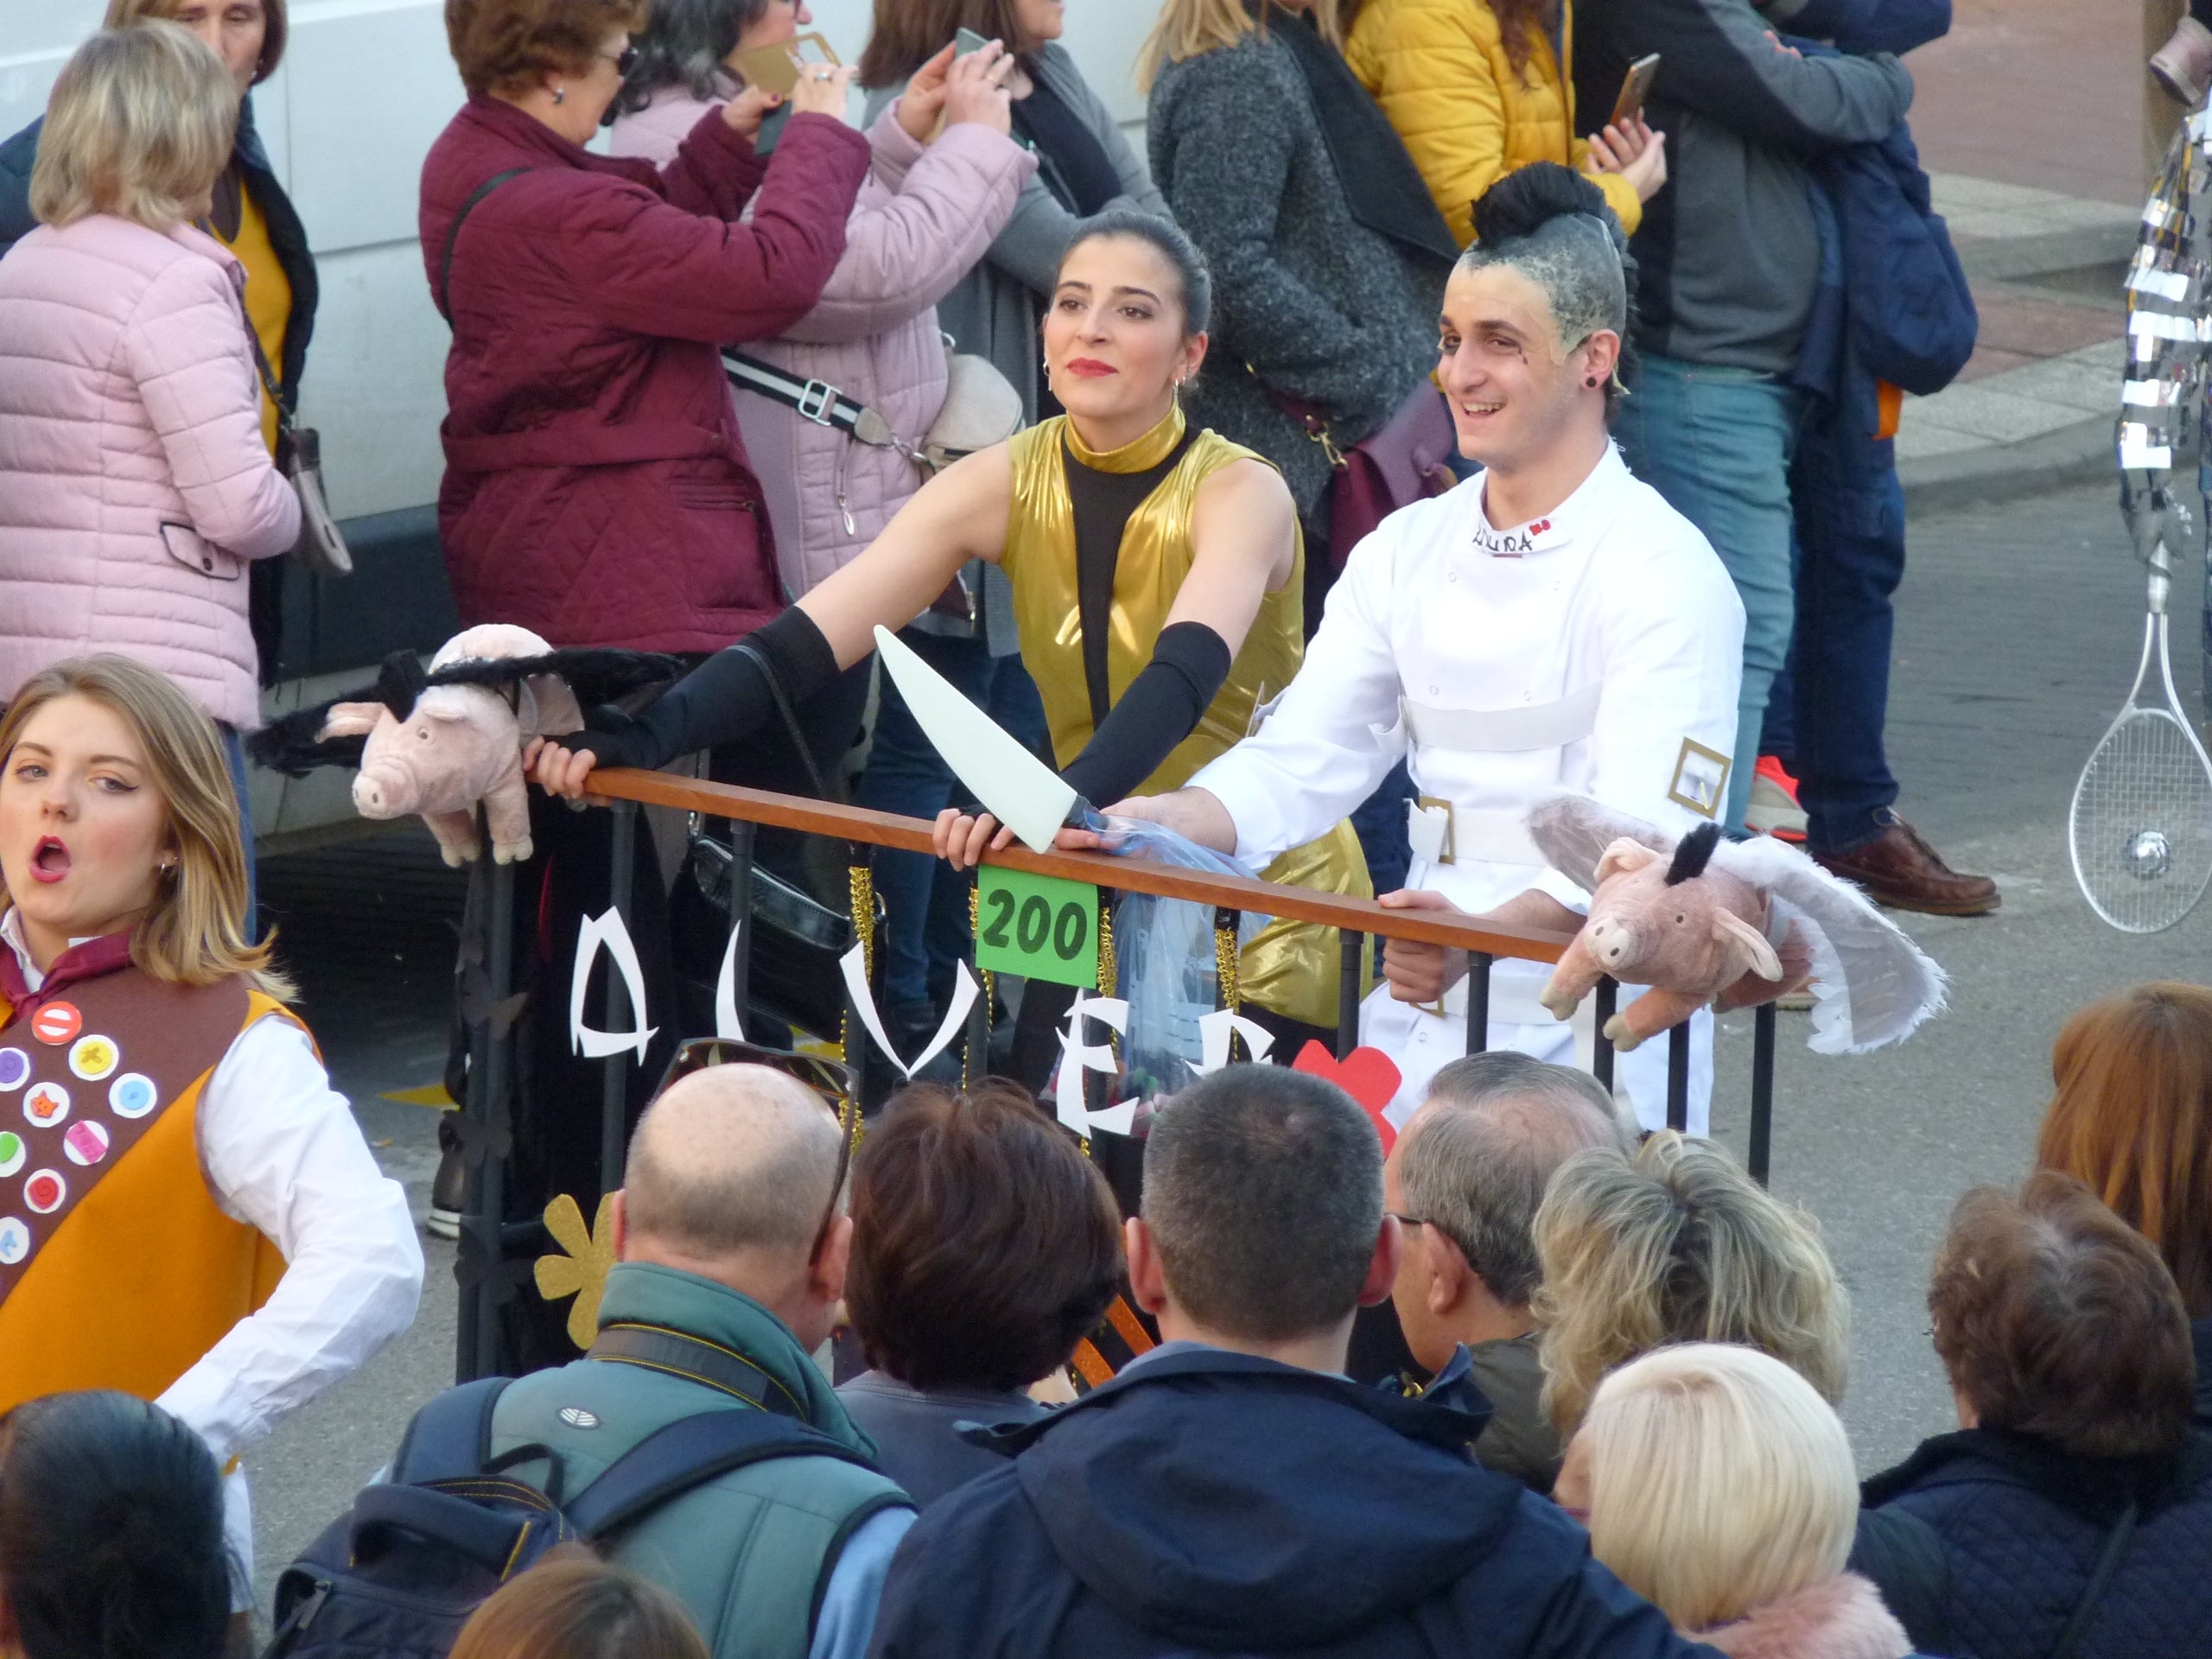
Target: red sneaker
{"x":1773,"y":809}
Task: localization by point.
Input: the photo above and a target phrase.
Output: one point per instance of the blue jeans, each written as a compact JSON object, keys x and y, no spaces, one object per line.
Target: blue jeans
{"x":925,"y":906}
{"x":1851,"y":556}
{"x":234,"y":756}
{"x":1717,"y":444}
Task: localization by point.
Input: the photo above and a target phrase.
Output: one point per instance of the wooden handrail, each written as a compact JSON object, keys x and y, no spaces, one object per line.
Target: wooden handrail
{"x":1448,"y":928}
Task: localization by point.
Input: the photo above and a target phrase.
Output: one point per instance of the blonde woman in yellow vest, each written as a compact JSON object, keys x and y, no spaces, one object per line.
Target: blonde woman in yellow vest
{"x":187,"y":1210}
{"x":1158,"y":578}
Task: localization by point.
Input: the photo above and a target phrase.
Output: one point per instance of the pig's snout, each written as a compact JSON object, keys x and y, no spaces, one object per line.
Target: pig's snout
{"x":382,"y":795}
{"x":1611,"y":941}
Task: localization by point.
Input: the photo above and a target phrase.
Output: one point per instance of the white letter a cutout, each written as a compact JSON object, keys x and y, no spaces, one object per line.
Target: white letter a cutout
{"x":607,"y":931}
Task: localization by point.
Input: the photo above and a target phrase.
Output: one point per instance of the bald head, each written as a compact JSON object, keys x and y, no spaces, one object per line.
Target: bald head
{"x":732,"y":1161}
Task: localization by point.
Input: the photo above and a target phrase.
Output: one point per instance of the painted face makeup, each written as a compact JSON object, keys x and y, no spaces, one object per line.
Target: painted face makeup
{"x":1504,"y":370}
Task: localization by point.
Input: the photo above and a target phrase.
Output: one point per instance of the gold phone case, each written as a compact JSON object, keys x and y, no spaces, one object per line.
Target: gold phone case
{"x":777,"y":68}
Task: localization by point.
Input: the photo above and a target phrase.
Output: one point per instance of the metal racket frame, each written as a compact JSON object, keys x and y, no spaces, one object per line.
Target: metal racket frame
{"x":2139,"y":828}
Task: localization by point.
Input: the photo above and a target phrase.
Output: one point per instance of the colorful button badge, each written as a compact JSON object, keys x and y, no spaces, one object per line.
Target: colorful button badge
{"x":45,"y":1192}
{"x":57,"y":1023}
{"x":12,"y":1153}
{"x":14,"y":1241}
{"x":132,"y":1095}
{"x":15,"y":1068}
{"x":87,"y":1143}
{"x":94,"y":1058}
{"x":46,"y":1105}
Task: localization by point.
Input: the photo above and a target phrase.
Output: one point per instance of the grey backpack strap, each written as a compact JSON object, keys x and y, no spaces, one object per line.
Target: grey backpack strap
{"x":443,"y":296}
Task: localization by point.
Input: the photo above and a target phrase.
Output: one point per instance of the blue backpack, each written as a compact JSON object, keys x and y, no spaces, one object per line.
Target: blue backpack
{"x":399,"y":1574}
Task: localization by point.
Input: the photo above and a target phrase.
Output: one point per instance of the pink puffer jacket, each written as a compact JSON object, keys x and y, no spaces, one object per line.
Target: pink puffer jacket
{"x":134,"y":483}
{"x":923,"y":217}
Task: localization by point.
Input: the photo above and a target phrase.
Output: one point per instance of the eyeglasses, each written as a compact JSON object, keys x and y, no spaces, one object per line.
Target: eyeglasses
{"x":828,"y":1081}
{"x":624,"y":62}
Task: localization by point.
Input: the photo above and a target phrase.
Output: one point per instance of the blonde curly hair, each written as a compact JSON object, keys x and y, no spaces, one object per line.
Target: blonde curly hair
{"x":1678,"y":1244}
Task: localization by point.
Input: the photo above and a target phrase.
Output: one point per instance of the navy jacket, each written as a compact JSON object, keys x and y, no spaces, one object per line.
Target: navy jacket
{"x":1213,"y":1501}
{"x":1983,"y":1542}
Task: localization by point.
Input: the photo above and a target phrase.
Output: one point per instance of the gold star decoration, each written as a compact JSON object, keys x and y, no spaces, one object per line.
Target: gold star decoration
{"x":581,"y":1269}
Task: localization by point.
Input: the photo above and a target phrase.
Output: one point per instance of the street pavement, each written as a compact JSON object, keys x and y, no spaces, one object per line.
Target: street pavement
{"x":2018,"y":628}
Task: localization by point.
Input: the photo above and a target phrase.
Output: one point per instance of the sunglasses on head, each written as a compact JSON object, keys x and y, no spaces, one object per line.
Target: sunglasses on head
{"x":828,"y":1081}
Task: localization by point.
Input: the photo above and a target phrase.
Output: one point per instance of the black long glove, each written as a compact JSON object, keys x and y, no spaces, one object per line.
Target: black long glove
{"x":721,"y":699}
{"x":1189,"y":662}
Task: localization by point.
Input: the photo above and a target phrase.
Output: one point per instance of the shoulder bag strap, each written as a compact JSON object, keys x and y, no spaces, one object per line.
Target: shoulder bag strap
{"x":760,"y":657}
{"x":817,"y":401}
{"x":656,"y":1347}
{"x":2077,"y":1628}
{"x":443,"y":296}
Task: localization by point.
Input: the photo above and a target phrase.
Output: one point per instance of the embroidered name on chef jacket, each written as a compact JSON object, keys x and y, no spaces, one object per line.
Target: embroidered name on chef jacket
{"x":1512,"y":544}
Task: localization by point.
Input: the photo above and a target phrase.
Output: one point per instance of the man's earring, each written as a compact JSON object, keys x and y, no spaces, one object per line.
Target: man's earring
{"x":560,"y":94}
{"x":1591,"y":381}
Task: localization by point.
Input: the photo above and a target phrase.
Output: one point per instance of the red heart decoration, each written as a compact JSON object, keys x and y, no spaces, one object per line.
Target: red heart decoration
{"x":1368,"y":1075}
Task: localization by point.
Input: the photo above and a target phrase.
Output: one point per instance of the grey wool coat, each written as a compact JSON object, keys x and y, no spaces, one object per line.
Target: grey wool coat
{"x":1320,"y":308}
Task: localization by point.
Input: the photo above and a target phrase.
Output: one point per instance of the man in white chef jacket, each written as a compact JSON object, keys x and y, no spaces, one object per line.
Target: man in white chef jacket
{"x":1550,"y":623}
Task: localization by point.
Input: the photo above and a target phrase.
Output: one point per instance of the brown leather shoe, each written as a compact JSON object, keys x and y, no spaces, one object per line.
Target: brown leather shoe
{"x":1897,"y":868}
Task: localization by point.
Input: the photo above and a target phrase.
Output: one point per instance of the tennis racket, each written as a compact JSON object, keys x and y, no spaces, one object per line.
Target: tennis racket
{"x":2141,"y":829}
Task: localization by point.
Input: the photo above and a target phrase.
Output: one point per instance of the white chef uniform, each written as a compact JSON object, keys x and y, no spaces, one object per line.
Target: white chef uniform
{"x":1597,"y":649}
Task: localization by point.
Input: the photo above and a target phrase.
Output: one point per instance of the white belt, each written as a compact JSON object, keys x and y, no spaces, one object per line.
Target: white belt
{"x":1443,"y":834}
{"x":1489,"y":731}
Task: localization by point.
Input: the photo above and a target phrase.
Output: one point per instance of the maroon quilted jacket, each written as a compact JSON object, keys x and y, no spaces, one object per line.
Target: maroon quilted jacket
{"x":596,"y":489}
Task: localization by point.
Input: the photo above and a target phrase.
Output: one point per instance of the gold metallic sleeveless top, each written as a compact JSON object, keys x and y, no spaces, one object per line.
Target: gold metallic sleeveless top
{"x":1291,"y":968}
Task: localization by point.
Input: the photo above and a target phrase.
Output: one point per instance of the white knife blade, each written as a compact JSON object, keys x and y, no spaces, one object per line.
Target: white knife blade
{"x":1018,"y":789}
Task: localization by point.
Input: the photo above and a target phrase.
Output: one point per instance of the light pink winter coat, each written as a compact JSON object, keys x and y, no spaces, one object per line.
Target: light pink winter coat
{"x":134,"y":482}
{"x":1841,"y":1617}
{"x":924,"y":218}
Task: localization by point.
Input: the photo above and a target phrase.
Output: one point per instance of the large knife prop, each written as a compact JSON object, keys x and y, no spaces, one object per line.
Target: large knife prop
{"x":1013,"y":785}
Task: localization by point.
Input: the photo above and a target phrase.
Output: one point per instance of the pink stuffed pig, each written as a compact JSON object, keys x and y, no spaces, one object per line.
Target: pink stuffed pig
{"x":439,"y":749}
{"x":1691,"y":930}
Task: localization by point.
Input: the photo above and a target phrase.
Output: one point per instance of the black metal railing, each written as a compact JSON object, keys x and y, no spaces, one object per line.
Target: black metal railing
{"x":489,"y":1243}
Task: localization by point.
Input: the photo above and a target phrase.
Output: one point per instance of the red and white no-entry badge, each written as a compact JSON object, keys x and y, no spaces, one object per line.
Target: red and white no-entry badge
{"x":57,"y":1022}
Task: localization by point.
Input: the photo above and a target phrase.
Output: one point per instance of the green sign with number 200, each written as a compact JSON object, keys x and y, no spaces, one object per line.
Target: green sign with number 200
{"x":1039,"y":926}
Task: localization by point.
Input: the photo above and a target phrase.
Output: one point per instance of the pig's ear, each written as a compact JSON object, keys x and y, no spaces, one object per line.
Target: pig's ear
{"x":1624,"y":856}
{"x":547,"y":707}
{"x":350,"y":719}
{"x":1748,"y":944}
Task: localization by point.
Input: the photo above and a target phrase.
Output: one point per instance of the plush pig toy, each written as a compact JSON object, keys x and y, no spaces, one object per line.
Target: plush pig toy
{"x":440,"y":740}
{"x":1708,"y":920}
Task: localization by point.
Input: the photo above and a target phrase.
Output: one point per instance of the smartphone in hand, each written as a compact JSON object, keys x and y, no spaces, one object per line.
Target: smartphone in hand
{"x":965,"y":39}
{"x":777,"y":69}
{"x":1636,"y":87}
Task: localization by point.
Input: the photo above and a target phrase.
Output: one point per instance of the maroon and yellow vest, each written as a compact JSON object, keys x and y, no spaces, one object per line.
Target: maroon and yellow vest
{"x":118,"y":1269}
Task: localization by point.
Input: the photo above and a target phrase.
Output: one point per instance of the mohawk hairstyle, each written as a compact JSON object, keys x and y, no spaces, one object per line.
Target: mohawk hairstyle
{"x":1693,"y":854}
{"x":1552,"y":225}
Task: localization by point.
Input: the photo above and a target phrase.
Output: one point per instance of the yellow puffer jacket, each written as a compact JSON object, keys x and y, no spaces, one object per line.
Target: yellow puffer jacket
{"x":1439,"y":71}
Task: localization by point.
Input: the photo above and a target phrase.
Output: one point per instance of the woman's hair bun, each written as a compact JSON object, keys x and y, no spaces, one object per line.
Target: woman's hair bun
{"x":1530,"y":197}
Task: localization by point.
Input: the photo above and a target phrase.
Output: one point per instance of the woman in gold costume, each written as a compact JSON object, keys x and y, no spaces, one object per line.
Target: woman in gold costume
{"x":1157,"y":577}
